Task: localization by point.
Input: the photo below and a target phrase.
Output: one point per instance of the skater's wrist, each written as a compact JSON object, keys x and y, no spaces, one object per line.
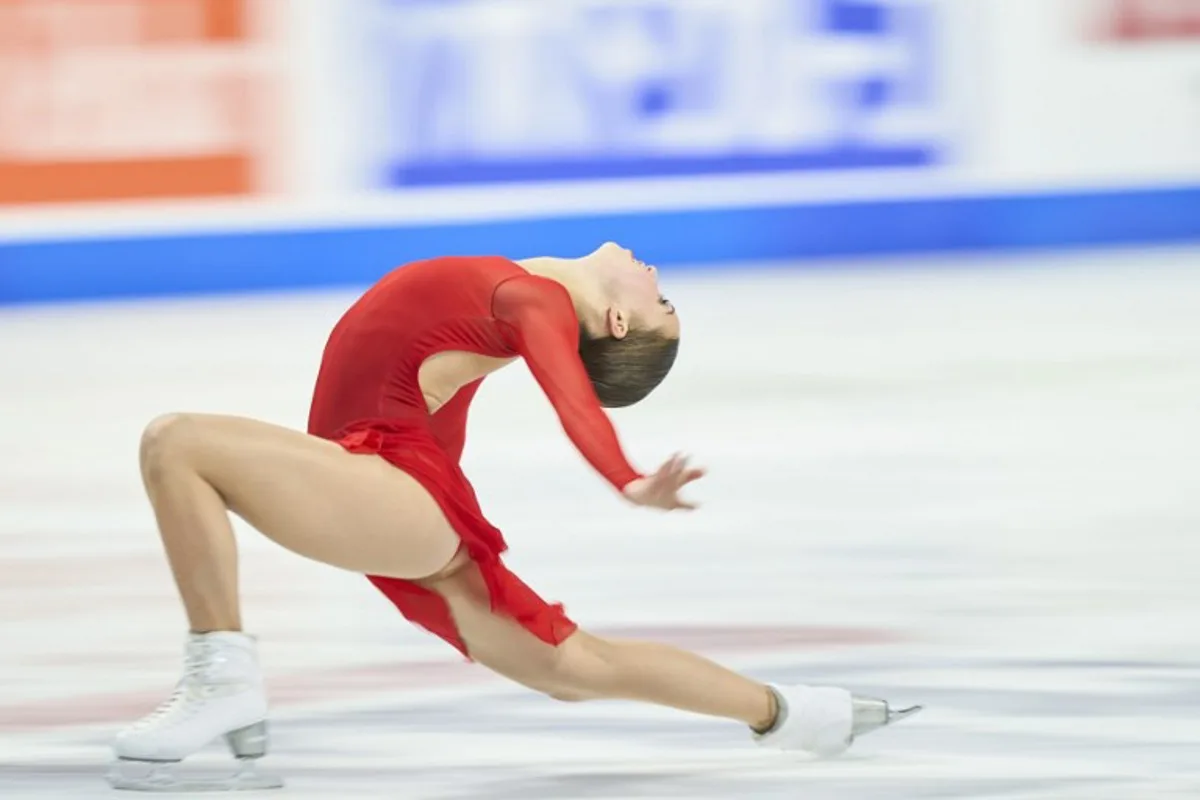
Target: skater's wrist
{"x":630,"y":490}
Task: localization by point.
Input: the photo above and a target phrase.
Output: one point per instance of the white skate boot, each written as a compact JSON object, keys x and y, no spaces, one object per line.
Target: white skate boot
{"x":824,"y":720}
{"x":220,"y":694}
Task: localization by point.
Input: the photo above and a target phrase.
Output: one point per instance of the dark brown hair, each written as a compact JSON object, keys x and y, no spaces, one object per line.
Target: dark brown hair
{"x":624,"y":371}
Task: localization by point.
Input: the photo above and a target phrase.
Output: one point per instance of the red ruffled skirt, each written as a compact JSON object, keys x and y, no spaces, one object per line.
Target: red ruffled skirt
{"x":410,"y":447}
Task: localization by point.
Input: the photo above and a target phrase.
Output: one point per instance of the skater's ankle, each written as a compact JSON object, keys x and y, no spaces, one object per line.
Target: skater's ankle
{"x":774,"y":710}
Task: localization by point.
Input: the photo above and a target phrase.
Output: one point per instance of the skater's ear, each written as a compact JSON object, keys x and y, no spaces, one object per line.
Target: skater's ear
{"x":616,"y":322}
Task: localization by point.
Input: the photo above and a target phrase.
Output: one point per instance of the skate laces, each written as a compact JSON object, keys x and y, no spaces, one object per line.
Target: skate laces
{"x":191,"y":686}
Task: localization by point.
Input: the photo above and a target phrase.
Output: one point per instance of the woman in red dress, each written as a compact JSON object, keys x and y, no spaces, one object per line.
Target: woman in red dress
{"x":375,"y":487}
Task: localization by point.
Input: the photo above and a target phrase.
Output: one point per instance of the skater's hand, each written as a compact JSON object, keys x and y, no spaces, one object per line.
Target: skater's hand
{"x":661,"y":490}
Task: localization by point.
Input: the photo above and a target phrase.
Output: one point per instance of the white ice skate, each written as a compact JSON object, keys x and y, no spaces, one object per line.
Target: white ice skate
{"x":220,"y":694}
{"x":825,"y":721}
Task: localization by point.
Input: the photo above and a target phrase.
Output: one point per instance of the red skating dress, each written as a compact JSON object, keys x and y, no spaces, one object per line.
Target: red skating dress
{"x":368,"y":400}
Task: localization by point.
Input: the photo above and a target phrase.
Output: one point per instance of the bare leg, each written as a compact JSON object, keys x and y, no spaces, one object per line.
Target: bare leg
{"x":308,"y":495}
{"x":356,"y":512}
{"x":669,"y":676}
{"x":586,"y":667}
{"x":198,"y":538}
{"x":361,"y":514}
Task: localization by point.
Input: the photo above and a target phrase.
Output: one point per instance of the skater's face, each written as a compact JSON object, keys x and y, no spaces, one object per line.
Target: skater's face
{"x":637,"y":347}
{"x":636,"y":300}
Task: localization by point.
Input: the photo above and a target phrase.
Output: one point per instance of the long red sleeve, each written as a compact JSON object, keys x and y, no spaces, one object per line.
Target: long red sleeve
{"x":546,"y":334}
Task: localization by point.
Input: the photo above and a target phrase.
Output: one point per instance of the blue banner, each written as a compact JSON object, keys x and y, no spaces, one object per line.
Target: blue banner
{"x":479,"y":91}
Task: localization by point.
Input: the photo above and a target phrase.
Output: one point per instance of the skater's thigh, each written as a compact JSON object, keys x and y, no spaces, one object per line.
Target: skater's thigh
{"x":502,"y":645}
{"x":352,"y":511}
{"x":495,"y":641}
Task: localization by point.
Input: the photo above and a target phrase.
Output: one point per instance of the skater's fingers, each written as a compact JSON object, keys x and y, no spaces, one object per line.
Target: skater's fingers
{"x":667,"y":468}
{"x":672,"y":465}
{"x":681,"y":469}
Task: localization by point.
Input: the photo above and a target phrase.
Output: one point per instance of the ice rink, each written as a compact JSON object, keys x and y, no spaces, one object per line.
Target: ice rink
{"x":975,"y":489}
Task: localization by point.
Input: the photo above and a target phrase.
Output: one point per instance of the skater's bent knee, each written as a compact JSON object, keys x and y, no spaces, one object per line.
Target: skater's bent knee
{"x":164,"y":444}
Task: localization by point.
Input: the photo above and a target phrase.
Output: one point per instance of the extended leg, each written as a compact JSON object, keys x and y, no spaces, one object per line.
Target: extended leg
{"x":586,"y":667}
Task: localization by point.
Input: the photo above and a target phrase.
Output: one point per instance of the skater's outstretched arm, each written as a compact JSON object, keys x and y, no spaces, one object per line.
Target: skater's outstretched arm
{"x":546,"y":333}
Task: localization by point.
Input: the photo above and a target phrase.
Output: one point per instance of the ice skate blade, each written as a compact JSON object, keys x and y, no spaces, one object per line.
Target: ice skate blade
{"x":871,"y":714}
{"x":896,"y":715}
{"x":140,"y":776}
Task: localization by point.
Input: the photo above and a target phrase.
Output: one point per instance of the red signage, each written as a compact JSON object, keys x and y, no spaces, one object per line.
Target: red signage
{"x":1149,"y":20}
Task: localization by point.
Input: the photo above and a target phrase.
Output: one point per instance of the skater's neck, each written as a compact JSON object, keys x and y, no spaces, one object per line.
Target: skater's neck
{"x":582,"y":283}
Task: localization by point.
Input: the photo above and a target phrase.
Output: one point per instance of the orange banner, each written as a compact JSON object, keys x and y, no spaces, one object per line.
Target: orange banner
{"x":129,"y":99}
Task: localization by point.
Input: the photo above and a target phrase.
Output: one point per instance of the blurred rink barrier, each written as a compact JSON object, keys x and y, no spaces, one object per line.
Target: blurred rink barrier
{"x":165,"y":147}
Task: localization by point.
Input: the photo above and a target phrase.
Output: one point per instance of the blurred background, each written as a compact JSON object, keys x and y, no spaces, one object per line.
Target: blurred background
{"x":938,"y":268}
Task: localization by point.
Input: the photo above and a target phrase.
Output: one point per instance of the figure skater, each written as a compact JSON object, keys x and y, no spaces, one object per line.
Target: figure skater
{"x":375,"y":487}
